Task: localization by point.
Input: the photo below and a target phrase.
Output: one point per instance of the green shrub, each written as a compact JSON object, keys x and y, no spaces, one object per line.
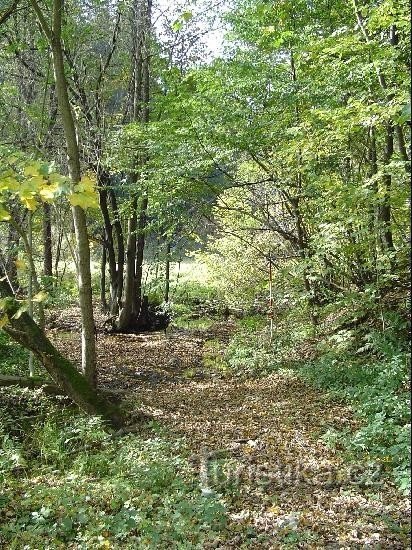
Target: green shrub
{"x":377,"y":387}
{"x":13,"y":358}
{"x":365,"y":367}
{"x":193,"y":293}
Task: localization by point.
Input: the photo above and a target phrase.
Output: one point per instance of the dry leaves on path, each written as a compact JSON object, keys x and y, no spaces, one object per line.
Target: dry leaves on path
{"x":255,"y":443}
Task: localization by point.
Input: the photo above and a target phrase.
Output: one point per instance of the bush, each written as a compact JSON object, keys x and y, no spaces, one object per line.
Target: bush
{"x":365,"y":367}
{"x":193,"y":293}
{"x":377,"y":387}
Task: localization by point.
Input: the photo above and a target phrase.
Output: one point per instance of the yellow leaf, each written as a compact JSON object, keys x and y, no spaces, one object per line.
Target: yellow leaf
{"x":21,"y":264}
{"x":48,"y":192}
{"x":4,"y":320}
{"x":36,"y":181}
{"x":29,"y":202}
{"x":84,"y":200}
{"x":274,"y":509}
{"x":28,"y":190}
{"x":32,"y":169}
{"x":40,"y":296}
{"x":9,"y":184}
{"x":86,"y":184}
{"x":30,"y":186}
{"x":84,"y":194}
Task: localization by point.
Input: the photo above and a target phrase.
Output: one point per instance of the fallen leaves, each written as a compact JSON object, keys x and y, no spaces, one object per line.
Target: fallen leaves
{"x":261,"y":437}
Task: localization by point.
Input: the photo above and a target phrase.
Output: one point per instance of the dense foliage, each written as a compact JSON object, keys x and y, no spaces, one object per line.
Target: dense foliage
{"x":254,"y":196}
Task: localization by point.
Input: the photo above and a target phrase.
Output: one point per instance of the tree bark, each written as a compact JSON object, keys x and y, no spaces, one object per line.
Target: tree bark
{"x":128,"y":310}
{"x":140,"y":245}
{"x":139,"y":107}
{"x":115,"y":267}
{"x":53,"y":35}
{"x":13,"y":239}
{"x":47,"y":241}
{"x":32,"y":383}
{"x":167,"y":272}
{"x":116,"y":303}
{"x":22,"y":329}
{"x":103,"y":300}
{"x":385,"y":208}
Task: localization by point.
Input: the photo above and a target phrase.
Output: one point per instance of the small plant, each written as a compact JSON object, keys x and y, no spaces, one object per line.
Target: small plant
{"x":13,"y":358}
{"x":377,"y":387}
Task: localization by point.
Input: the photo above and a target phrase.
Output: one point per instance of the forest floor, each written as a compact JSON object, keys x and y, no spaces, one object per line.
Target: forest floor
{"x":255,"y":443}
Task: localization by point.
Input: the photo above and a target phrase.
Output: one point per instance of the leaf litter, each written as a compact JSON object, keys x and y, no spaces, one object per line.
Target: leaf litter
{"x":255,"y":443}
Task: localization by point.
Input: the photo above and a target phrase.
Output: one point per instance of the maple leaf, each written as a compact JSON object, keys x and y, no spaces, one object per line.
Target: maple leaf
{"x":48,"y":192}
{"x":9,"y":184}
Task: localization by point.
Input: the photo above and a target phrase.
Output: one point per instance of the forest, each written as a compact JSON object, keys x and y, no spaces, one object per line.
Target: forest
{"x":205,"y":274}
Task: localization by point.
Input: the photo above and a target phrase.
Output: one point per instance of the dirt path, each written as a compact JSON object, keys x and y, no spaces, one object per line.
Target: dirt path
{"x":259,"y":440}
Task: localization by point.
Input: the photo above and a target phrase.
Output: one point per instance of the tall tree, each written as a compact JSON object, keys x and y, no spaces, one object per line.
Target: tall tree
{"x":53,"y":32}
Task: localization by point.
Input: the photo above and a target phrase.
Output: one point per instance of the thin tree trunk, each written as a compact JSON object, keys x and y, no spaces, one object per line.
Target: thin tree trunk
{"x":13,"y":239}
{"x":109,"y":249}
{"x":140,"y":245}
{"x":47,"y":242}
{"x":79,"y":217}
{"x":58,"y":253}
{"x":117,"y":298}
{"x":385,"y":208}
{"x":128,"y":310}
{"x":103,"y":300}
{"x":26,"y":332}
{"x":167,"y":272}
{"x":373,"y":217}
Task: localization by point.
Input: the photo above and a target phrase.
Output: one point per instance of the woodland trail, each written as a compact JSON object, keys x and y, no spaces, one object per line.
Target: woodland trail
{"x":258,"y":440}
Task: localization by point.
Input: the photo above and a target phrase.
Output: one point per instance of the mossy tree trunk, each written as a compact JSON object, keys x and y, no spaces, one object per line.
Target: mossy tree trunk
{"x":25,"y":331}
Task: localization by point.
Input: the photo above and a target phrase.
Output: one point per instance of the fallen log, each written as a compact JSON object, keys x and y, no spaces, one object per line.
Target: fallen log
{"x":32,"y":383}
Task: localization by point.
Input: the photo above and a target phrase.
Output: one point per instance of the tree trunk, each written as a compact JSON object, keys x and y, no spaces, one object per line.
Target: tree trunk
{"x":13,"y":239}
{"x":103,"y":300}
{"x":116,"y":300}
{"x":33,"y":383}
{"x":53,"y":35}
{"x":167,"y":272}
{"x":132,"y":306}
{"x":140,"y":245}
{"x":115,"y":268}
{"x":385,"y":208}
{"x":128,"y":310}
{"x":47,"y":242}
{"x":65,"y":375}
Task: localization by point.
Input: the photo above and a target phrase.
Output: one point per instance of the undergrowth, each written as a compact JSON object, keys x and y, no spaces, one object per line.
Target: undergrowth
{"x":368,"y":368}
{"x":13,"y":358}
{"x":65,"y":481}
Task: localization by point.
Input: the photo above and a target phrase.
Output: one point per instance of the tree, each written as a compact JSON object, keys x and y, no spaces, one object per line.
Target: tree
{"x":53,"y":34}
